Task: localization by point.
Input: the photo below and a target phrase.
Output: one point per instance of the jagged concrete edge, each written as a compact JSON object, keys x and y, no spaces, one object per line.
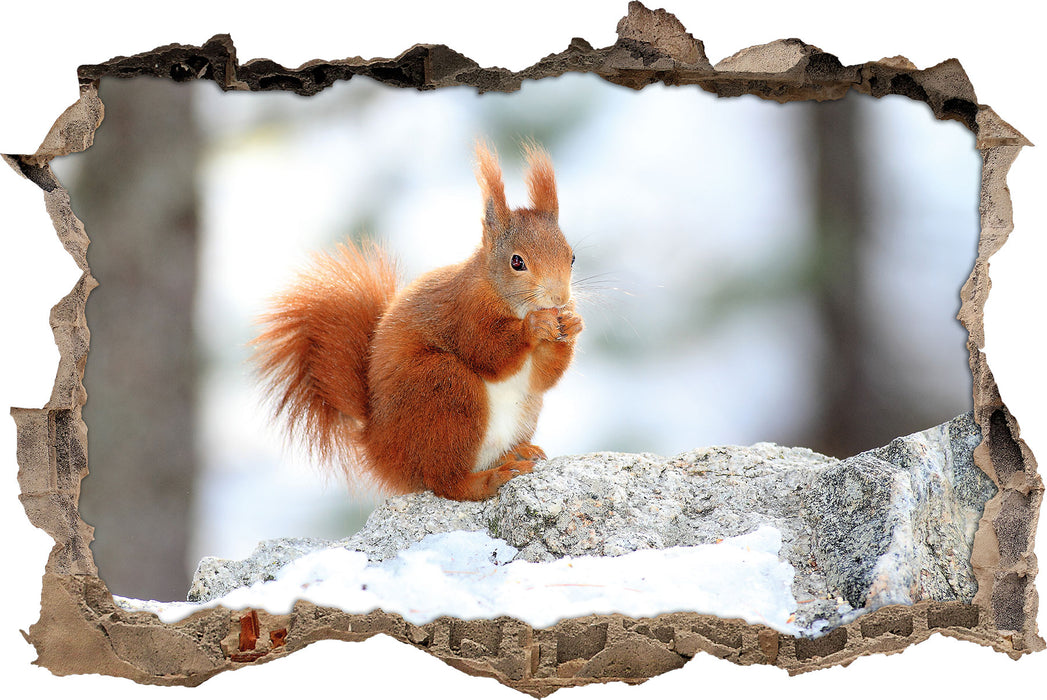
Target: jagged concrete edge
{"x":652,"y":46}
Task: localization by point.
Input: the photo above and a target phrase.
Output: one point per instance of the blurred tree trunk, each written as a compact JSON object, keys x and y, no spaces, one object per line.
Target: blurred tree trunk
{"x":865,"y":399}
{"x":136,"y":194}
{"x":848,"y":413}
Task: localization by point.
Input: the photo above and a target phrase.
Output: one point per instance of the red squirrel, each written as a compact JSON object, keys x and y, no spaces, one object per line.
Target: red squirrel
{"x":438,"y":385}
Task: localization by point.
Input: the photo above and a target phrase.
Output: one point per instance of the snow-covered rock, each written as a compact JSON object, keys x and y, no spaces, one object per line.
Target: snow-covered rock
{"x":892,"y":525}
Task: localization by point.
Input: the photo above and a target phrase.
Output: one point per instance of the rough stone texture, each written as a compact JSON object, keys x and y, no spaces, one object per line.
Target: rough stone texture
{"x":573,"y":652}
{"x":214,"y":577}
{"x":925,"y":496}
{"x":892,"y":525}
{"x":652,"y":47}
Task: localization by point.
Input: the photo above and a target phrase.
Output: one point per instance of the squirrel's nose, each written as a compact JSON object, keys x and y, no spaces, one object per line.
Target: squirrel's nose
{"x":560,"y":296}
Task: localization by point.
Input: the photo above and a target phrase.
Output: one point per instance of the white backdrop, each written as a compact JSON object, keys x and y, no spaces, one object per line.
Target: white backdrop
{"x":43,"y":44}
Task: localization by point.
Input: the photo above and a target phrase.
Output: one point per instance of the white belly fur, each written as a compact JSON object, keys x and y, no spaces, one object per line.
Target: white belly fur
{"x":511,"y":415}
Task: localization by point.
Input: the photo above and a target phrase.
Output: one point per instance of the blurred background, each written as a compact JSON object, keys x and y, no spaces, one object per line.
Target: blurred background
{"x":748,"y":271}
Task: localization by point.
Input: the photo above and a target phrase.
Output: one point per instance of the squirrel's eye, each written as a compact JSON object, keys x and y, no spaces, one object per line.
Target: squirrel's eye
{"x":517,"y":263}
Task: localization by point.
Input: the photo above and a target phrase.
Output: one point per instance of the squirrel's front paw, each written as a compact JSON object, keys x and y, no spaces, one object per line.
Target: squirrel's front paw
{"x":544,"y":324}
{"x":570,"y":325}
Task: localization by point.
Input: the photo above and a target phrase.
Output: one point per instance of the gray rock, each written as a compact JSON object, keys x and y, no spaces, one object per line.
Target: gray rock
{"x":892,"y":525}
{"x":910,"y":509}
{"x":215,"y":577}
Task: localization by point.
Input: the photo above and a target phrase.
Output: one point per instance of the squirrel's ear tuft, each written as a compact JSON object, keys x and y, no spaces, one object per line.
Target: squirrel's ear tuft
{"x":541,"y":182}
{"x":489,"y":175}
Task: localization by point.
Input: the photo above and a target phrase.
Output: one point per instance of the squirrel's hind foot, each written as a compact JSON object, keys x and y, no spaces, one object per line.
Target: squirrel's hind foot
{"x":485,"y":484}
{"x":482,"y":485}
{"x":524,"y":452}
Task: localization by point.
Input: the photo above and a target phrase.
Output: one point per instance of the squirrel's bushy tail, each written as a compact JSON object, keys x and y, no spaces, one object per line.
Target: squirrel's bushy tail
{"x":313,"y":351}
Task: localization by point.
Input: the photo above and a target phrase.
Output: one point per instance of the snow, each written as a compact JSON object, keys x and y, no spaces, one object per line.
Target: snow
{"x":470,"y":575}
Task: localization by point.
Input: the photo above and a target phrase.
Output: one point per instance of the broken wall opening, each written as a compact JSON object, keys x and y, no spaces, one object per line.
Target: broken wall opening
{"x":728,"y":301}
{"x":818,"y":64}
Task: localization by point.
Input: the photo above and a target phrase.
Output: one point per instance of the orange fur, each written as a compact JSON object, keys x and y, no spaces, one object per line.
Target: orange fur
{"x":407,"y":379}
{"x":541,"y":182}
{"x":489,"y":175}
{"x":313,"y":352}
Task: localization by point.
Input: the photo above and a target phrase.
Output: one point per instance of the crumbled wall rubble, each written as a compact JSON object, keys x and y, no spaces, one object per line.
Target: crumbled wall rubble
{"x":80,"y":629}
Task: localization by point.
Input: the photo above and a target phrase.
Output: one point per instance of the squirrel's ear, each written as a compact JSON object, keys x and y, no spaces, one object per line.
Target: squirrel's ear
{"x":489,"y":175}
{"x":541,"y":182}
